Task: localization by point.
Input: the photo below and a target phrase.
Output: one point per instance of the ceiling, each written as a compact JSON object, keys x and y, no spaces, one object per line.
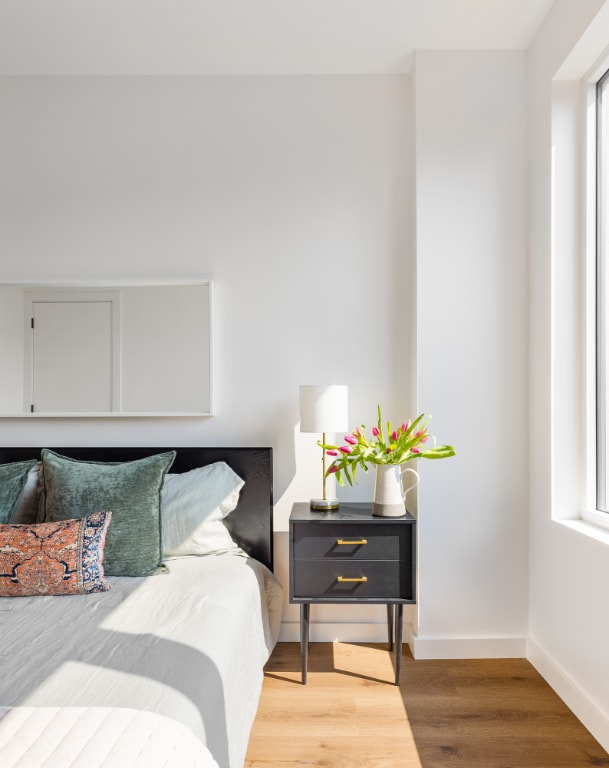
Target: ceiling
{"x":251,"y":37}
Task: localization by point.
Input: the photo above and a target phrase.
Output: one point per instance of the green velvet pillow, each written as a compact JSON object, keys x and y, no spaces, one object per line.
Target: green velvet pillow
{"x":131,"y":490}
{"x":12,"y":480}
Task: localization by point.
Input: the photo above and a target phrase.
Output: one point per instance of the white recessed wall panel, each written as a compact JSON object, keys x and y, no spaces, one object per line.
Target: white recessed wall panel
{"x":166,"y":349}
{"x":72,"y":356}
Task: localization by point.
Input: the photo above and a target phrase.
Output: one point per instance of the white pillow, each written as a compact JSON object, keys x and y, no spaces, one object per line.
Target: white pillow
{"x":193,"y":505}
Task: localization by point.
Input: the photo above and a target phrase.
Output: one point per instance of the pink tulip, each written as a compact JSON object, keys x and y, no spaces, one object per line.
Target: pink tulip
{"x":394,"y":435}
{"x":345,"y":449}
{"x":388,"y":449}
{"x":415,"y":450}
{"x":357,"y":431}
{"x":333,"y":469}
{"x":375,"y":431}
{"x":351,"y":439}
{"x":420,"y":432}
{"x":332,"y":453}
{"x":405,"y":426}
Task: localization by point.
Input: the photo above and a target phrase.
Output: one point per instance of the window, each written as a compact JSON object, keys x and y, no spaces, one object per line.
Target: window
{"x":602,"y":287}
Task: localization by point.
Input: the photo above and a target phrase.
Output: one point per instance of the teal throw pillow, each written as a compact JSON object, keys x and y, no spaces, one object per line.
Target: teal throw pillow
{"x":131,"y":490}
{"x":12,"y":481}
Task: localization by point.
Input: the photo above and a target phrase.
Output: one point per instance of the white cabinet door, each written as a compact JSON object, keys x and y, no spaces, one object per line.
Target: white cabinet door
{"x":72,"y":356}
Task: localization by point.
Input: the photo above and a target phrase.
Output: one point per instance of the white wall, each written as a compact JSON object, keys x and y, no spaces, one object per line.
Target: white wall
{"x":472,"y":351}
{"x":293,"y":194}
{"x":569,"y":567}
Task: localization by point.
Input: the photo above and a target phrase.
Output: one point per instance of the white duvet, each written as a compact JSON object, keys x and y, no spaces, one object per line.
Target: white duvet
{"x":179,"y":655}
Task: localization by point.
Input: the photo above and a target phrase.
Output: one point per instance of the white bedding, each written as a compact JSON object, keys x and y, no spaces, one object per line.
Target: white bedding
{"x":188,"y":646}
{"x":97,"y":737}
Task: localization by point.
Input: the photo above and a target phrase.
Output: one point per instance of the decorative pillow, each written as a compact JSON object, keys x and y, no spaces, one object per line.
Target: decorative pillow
{"x":131,"y":489}
{"x":26,"y":509}
{"x":12,"y":480}
{"x":62,"y":558}
{"x":193,"y":505}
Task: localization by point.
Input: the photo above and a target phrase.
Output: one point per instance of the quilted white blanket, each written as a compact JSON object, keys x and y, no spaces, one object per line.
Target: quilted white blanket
{"x":96,"y":737}
{"x":149,"y":672}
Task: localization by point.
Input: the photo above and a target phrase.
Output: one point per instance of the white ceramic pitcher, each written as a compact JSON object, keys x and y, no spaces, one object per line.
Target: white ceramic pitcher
{"x":390,"y":490}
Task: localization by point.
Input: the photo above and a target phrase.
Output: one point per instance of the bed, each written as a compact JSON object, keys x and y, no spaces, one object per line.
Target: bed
{"x":158,"y":670}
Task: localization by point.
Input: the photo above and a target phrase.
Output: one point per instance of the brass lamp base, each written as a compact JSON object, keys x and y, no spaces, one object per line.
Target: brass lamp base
{"x":324,"y":505}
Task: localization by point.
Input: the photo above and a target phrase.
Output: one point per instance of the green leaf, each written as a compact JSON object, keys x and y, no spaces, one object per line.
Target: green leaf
{"x":439,"y":452}
{"x":416,"y":423}
{"x":380,"y":424}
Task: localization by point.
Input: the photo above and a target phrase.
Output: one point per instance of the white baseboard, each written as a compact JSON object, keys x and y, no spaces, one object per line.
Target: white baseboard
{"x":421,"y":648}
{"x":593,"y":718}
{"x":468,"y":647}
{"x":332,"y":632}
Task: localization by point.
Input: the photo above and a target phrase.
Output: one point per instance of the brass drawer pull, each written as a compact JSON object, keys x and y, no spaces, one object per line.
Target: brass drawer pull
{"x":354,"y":542}
{"x":357,"y":578}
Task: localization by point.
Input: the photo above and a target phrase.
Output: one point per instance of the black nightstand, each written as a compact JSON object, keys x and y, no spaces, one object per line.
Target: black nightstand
{"x":350,"y":556}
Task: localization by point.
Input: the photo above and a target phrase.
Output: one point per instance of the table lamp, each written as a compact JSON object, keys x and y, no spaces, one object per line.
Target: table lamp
{"x":323,"y":408}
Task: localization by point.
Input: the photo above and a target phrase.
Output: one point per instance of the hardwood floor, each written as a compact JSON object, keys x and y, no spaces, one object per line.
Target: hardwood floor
{"x":464,"y":714}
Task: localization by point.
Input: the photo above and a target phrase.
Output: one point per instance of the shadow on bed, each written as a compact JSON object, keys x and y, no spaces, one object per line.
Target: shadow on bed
{"x":132,"y":667}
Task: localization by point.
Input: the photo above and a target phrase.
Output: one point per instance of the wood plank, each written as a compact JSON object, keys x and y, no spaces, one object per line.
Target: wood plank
{"x":481,"y":713}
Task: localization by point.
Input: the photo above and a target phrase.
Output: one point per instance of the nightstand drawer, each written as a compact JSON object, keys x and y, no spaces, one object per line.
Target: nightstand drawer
{"x":347,"y":581}
{"x":362,"y":541}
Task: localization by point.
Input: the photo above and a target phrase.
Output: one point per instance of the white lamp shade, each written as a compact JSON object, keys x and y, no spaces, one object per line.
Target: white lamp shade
{"x":324,"y":408}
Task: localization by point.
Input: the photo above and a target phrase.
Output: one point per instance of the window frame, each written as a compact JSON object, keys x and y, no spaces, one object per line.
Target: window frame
{"x":601,"y":165}
{"x":595,"y":453}
{"x":601,"y":297}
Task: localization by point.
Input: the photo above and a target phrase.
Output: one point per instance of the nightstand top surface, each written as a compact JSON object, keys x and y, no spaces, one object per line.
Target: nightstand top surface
{"x":352,"y":511}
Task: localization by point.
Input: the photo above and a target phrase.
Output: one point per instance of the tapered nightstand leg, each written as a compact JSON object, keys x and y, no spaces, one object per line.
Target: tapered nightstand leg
{"x":398,"y":642}
{"x":304,"y":639}
{"x":390,"y":624}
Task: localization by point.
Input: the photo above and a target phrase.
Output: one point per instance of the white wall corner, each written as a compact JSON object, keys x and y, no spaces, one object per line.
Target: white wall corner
{"x":579,"y":702}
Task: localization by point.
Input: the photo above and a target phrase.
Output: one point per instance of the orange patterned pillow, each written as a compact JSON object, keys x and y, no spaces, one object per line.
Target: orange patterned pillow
{"x":60,"y":558}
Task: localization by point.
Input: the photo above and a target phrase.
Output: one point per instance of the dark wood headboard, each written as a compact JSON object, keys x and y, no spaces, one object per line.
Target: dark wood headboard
{"x":250,"y":524}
